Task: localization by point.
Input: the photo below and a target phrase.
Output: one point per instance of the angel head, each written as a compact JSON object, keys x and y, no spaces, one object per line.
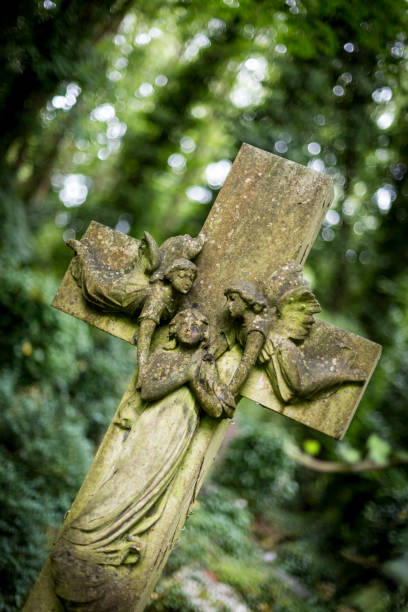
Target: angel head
{"x":181,"y":273}
{"x":243,"y":297}
{"x":190,"y":327}
{"x":289,"y":293}
{"x":174,"y":249}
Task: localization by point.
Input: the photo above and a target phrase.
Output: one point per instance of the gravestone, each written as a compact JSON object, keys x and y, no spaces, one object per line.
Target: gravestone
{"x":241,"y":323}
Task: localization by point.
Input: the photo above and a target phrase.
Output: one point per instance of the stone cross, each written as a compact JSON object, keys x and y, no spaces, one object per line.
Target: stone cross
{"x":243,"y":326}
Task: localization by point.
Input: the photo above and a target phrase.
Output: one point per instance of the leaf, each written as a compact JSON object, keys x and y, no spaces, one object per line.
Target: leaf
{"x":378,"y":449}
{"x":351,"y":455}
{"x":312,"y":446}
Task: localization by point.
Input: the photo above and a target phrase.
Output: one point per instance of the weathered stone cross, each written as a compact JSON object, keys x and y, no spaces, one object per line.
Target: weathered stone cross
{"x":248,"y":308}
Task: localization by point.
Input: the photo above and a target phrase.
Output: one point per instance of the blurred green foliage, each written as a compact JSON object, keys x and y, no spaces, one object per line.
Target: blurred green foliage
{"x":130,"y":113}
{"x":58,"y":386}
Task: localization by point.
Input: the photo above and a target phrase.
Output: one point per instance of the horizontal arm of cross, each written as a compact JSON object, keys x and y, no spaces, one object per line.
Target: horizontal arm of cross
{"x":268,"y":213}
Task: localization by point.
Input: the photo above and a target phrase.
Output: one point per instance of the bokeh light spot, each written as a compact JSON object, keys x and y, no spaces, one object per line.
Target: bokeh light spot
{"x":75,"y":190}
{"x":187,"y":144}
{"x":384,"y":196}
{"x":280,"y":146}
{"x":385,"y":120}
{"x":382,"y":95}
{"x":123,"y":226}
{"x":104,"y":112}
{"x":317,"y":164}
{"x":314,"y":148}
{"x":328,"y":234}
{"x":177,"y":161}
{"x":196,"y":193}
{"x":161,"y":80}
{"x":199,"y":111}
{"x":217,"y":172}
{"x":143,"y":39}
{"x":146,"y":90}
{"x":332,"y":217}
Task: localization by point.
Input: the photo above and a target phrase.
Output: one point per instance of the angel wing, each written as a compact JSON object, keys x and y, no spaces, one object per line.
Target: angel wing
{"x":295,"y":312}
{"x":294,"y":319}
{"x":288,"y":293}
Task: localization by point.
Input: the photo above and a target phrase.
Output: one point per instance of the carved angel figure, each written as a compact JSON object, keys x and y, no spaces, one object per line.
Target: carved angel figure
{"x":275,"y":322}
{"x":109,"y":530}
{"x":150,"y":282}
{"x":294,"y":372}
{"x":186,"y":361}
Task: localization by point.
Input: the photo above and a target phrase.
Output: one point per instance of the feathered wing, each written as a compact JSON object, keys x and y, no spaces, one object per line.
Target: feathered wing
{"x":295,"y":317}
{"x":177,"y":247}
{"x":152,"y":252}
{"x":295,"y":313}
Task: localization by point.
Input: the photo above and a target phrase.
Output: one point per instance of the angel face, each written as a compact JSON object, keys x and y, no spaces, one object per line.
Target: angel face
{"x":182,"y":280}
{"x":236,"y":305}
{"x":189,"y":328}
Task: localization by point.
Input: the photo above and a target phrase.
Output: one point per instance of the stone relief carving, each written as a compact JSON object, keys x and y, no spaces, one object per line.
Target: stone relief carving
{"x":150,"y":283}
{"x":123,"y":508}
{"x":270,"y":321}
{"x":177,"y":379}
{"x":274,"y":321}
{"x":188,"y":361}
{"x":110,"y":531}
{"x":154,"y":457}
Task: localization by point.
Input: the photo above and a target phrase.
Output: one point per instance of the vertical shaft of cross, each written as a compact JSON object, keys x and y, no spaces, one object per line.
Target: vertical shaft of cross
{"x":268,"y":213}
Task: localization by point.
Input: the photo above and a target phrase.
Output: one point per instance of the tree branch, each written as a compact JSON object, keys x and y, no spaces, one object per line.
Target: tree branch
{"x":340,"y":467}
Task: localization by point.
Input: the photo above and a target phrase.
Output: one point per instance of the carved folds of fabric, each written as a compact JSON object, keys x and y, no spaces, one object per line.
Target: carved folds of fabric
{"x":126,"y":289}
{"x":131,"y":498}
{"x":111,"y":290}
